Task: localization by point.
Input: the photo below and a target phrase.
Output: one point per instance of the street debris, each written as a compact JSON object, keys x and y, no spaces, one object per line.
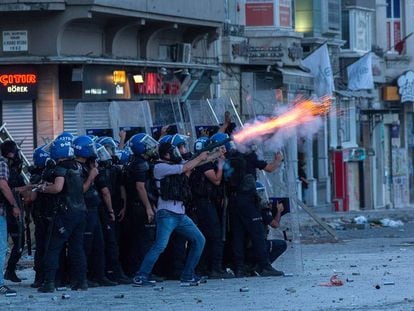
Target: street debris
{"x":386,"y":222}
{"x":333,"y":281}
{"x":360,"y":220}
{"x":290,"y":290}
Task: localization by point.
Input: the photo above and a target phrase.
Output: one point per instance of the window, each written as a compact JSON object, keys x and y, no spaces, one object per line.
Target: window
{"x":393,"y":23}
{"x":357,"y":29}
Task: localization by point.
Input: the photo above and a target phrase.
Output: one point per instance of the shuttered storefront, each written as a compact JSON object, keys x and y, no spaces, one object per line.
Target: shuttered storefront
{"x":69,"y":117}
{"x":18,"y":116}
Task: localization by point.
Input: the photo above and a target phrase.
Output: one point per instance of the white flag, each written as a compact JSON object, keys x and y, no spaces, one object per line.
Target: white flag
{"x":360,"y":74}
{"x":320,"y":66}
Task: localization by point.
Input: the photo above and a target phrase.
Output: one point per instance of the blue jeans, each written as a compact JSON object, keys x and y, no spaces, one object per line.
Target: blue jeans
{"x":3,"y":246}
{"x":167,"y":222}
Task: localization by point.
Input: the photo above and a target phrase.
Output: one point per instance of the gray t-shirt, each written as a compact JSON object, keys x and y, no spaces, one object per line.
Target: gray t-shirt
{"x":160,"y":171}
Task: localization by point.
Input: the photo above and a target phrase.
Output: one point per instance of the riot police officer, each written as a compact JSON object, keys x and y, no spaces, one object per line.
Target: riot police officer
{"x":205,"y":183}
{"x":69,"y":220}
{"x":110,"y":175}
{"x":140,"y":208}
{"x":41,"y":211}
{"x":86,"y":155}
{"x":244,"y":213}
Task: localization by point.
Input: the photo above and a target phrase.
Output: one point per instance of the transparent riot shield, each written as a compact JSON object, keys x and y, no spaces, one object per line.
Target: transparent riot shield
{"x":201,"y":119}
{"x":131,"y":116}
{"x":279,"y":185}
{"x":93,"y":118}
{"x":166,"y":112}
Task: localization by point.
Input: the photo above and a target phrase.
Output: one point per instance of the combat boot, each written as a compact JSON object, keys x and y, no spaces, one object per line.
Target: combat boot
{"x":47,"y":287}
{"x":11,"y":276}
{"x":80,"y":285}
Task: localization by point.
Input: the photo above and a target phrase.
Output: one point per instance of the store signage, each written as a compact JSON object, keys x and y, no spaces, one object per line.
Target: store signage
{"x":15,"y":41}
{"x":406,"y":87}
{"x":266,"y":51}
{"x":19,"y":84}
{"x":155,"y":85}
{"x":98,"y":83}
{"x":259,"y":13}
{"x":285,"y":13}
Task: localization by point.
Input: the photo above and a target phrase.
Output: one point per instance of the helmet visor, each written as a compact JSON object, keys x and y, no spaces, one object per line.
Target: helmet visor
{"x":149,"y":142}
{"x":103,"y":154}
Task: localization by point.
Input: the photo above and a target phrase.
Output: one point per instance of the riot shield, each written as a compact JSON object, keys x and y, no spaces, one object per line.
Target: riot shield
{"x":166,"y":112}
{"x":131,"y":116}
{"x":93,"y":118}
{"x":109,"y":118}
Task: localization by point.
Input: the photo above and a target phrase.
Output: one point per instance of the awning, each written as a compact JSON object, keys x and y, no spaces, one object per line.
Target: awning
{"x":360,"y":93}
{"x":295,"y":75}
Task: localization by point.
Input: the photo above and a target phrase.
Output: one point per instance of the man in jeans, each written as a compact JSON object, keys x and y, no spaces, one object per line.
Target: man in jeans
{"x":173,"y":186}
{"x":6,"y":197}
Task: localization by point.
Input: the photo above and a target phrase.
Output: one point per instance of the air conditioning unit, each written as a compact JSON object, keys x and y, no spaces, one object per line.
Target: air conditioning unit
{"x":182,"y":53}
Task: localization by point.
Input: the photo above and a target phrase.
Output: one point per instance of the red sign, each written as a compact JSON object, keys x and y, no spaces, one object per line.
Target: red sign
{"x":8,"y":79}
{"x":284,"y":16}
{"x":259,"y":14}
{"x":154,"y":85}
{"x":17,"y":83}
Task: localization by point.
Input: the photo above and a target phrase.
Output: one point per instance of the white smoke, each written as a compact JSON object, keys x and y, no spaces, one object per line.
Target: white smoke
{"x":278,"y":140}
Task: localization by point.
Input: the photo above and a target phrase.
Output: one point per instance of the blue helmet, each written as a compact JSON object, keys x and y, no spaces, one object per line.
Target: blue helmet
{"x":61,"y":149}
{"x":220,"y":137}
{"x":123,"y":156}
{"x":201,"y":143}
{"x":143,"y":144}
{"x":65,"y":136}
{"x":165,"y":139}
{"x":84,"y":147}
{"x":177,"y":140}
{"x":109,"y":143}
{"x":40,"y":156}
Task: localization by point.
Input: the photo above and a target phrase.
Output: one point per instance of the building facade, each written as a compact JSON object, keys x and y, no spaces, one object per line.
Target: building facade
{"x":57,"y":54}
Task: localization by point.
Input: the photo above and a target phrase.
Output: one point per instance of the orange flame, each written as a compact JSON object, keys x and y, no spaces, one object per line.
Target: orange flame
{"x":303,"y":112}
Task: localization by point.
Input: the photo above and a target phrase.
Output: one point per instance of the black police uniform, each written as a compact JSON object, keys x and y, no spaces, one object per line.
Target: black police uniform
{"x":93,"y":236}
{"x":43,"y":213}
{"x":137,"y":234}
{"x":113,"y":268}
{"x":68,"y":226}
{"x":205,"y":197}
{"x":245,"y":216}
